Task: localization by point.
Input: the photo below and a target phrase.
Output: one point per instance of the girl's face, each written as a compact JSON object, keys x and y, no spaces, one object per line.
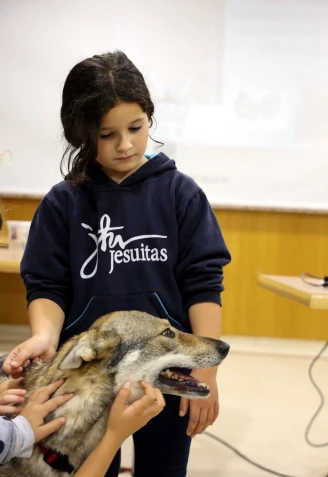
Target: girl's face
{"x":122,"y":140}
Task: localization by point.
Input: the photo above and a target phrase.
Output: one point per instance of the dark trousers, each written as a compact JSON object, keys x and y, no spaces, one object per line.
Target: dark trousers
{"x":161,"y":447}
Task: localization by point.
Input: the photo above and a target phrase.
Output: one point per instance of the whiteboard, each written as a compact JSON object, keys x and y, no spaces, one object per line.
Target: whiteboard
{"x":240,"y":90}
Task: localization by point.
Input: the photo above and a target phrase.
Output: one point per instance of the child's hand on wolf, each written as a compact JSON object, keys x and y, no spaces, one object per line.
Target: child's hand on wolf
{"x":9,"y":396}
{"x":39,"y":406}
{"x":21,"y":356}
{"x":202,"y":412}
{"x":124,"y":420}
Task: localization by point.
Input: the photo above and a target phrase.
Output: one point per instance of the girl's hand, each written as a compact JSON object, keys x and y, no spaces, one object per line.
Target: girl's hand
{"x":203,"y":412}
{"x":10,"y":397}
{"x":36,"y":347}
{"x":39,"y":406}
{"x":124,"y":420}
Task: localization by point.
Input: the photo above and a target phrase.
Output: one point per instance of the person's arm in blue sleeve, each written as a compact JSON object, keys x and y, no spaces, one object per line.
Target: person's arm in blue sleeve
{"x":16,"y":438}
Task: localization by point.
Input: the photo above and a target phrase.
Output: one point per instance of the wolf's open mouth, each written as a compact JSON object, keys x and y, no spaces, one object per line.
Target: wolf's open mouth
{"x":174,"y":377}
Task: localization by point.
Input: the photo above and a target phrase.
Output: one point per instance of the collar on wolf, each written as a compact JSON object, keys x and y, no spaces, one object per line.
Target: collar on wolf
{"x":56,"y":461}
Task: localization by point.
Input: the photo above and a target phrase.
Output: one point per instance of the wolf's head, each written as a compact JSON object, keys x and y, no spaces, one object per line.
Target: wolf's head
{"x":134,"y":346}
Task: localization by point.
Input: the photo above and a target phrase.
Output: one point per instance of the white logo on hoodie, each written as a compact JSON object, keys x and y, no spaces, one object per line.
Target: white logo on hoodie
{"x":107,"y":238}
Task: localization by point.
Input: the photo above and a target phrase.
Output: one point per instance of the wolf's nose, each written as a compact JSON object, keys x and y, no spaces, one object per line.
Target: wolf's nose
{"x":223,"y":348}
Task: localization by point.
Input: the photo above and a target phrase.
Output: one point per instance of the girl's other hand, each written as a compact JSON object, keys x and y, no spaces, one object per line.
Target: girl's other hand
{"x":21,"y":356}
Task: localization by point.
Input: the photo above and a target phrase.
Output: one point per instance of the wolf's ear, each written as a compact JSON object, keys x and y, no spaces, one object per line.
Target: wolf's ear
{"x":90,"y":347}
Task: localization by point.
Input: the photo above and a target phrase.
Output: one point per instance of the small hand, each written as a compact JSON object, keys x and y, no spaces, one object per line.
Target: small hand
{"x":10,"y":397}
{"x":39,"y":406}
{"x":124,"y":420}
{"x":21,"y":356}
{"x":203,"y":412}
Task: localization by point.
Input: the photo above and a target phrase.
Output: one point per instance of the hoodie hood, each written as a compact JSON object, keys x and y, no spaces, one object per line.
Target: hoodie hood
{"x":154,"y":168}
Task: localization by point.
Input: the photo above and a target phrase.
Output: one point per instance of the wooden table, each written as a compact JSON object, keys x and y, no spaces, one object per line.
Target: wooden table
{"x":9,"y":261}
{"x":9,"y":266}
{"x":315,"y":297}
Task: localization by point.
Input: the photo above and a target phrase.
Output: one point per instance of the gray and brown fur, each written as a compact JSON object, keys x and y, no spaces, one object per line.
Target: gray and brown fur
{"x":119,"y":347}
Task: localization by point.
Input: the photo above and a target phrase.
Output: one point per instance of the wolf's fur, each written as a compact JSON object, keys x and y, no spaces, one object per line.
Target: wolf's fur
{"x":119,"y":347}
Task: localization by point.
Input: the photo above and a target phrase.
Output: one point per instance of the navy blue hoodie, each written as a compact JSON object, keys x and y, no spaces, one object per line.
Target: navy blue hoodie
{"x":151,"y":243}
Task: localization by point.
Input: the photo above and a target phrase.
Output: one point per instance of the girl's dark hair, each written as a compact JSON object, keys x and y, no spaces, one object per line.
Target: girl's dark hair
{"x":92,"y":88}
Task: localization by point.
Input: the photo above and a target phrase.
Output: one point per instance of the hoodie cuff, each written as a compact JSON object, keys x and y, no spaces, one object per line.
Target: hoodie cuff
{"x":204,"y":297}
{"x":60,"y":301}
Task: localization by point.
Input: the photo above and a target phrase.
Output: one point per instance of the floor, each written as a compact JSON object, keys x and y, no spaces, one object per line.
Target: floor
{"x":266,"y":402}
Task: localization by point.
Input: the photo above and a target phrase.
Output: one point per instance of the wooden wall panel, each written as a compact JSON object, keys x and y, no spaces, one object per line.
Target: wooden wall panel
{"x":272,"y":243}
{"x":260,"y":242}
{"x":12,"y":290}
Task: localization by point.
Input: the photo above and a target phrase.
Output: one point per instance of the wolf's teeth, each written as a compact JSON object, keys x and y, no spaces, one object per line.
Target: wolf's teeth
{"x":167,"y":373}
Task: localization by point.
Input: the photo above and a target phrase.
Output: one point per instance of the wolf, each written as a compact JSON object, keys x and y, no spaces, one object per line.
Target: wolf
{"x":119,"y":347}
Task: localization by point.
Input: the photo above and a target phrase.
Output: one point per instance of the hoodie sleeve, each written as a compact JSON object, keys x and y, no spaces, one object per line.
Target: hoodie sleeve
{"x":16,"y":438}
{"x":45,"y":267}
{"x":202,"y":253}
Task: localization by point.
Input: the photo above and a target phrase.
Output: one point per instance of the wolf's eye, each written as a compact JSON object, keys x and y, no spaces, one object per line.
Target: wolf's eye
{"x":168,"y":333}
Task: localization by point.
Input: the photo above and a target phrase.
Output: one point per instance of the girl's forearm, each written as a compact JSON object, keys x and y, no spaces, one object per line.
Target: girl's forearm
{"x":46,"y":319}
{"x":205,"y":320}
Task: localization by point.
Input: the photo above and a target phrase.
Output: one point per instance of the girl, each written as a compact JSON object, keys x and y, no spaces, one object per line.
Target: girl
{"x":123,"y":231}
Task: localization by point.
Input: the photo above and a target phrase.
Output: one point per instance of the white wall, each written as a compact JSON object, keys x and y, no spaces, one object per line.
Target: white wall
{"x":240,"y":89}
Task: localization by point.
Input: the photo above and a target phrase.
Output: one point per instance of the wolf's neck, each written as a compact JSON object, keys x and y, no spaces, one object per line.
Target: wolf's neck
{"x":86,"y":420}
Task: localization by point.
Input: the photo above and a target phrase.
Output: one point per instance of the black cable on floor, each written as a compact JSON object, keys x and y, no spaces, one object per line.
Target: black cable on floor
{"x":322,"y":399}
{"x":236,"y":451}
{"x":322,"y":403}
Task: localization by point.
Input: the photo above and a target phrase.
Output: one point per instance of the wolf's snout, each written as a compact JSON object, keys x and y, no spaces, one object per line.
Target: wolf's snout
{"x":223,"y":348}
